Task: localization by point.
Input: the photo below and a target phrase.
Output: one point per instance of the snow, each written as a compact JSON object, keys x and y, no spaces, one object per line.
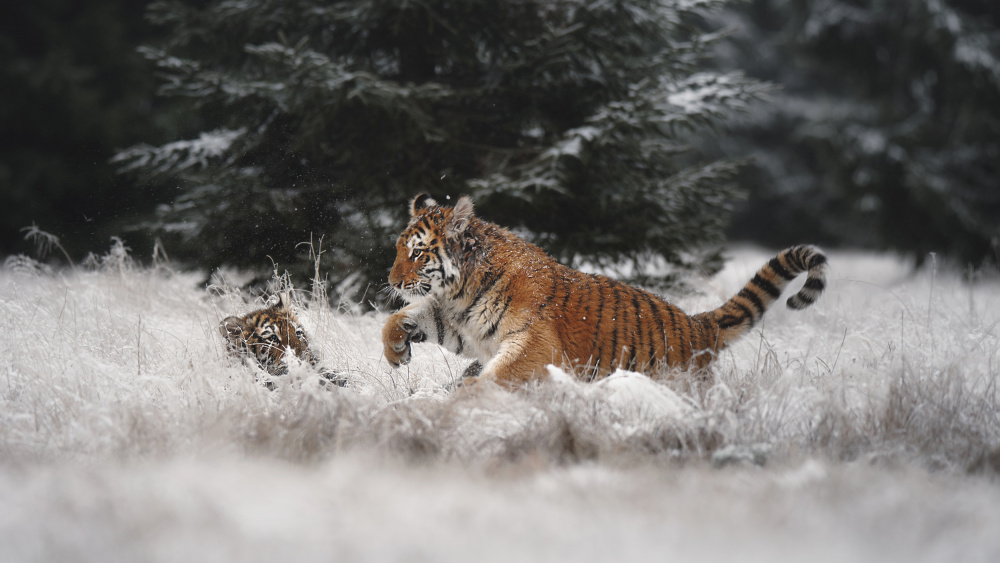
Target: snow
{"x":181,"y":155}
{"x":974,"y":51}
{"x":706,"y":93}
{"x":861,"y":429}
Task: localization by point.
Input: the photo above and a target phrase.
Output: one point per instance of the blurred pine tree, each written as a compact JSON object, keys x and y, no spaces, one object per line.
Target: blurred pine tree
{"x":567,"y":120}
{"x":887,"y":132}
{"x":73,"y":91}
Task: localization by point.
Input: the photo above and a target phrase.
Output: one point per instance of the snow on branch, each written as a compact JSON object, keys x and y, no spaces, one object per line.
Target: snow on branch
{"x":180,"y":155}
{"x":974,"y":52}
{"x":708,"y":93}
{"x":698,"y":100}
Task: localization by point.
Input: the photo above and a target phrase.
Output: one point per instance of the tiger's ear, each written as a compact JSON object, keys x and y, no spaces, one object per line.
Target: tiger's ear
{"x":284,"y":301}
{"x":422,"y":201}
{"x":231,"y":327}
{"x":461,"y":216}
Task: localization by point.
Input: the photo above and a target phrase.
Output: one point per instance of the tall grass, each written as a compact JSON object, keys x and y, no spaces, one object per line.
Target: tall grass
{"x":126,"y":432}
{"x":118,"y":360}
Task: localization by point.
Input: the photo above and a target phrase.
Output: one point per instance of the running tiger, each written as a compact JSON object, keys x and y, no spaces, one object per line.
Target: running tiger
{"x":483,"y":292}
{"x":268,"y":336}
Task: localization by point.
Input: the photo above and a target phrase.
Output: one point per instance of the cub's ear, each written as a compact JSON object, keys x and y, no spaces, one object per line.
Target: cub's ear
{"x":461,"y":216}
{"x":420,"y":202}
{"x":231,"y":327}
{"x":284,"y":301}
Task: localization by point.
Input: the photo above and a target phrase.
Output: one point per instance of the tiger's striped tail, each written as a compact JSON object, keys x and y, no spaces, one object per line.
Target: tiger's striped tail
{"x":745,"y":309}
{"x":812,"y":260}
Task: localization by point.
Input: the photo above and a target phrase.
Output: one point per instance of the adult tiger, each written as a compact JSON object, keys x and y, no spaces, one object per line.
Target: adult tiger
{"x":483,"y":292}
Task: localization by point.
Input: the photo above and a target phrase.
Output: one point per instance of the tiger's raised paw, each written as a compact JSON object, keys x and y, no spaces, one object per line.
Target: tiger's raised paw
{"x":397,"y":334}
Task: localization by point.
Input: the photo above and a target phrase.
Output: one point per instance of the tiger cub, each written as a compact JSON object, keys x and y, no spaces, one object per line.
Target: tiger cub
{"x":267,"y":335}
{"x":483,"y":292}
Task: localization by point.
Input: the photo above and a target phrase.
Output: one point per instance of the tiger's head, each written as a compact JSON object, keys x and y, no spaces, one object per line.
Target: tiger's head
{"x":427,"y":251}
{"x":267,"y":335}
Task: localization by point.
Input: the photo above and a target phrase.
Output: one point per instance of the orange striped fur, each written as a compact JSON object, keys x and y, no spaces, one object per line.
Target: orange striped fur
{"x":483,"y":292}
{"x":269,"y":336}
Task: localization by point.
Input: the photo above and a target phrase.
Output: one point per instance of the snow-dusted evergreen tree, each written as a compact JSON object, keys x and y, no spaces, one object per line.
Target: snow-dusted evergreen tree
{"x":566,"y":119}
{"x":73,"y":92}
{"x":887,"y":131}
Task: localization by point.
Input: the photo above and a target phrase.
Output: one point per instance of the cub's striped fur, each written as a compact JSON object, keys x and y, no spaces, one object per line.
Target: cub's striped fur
{"x":483,"y":292}
{"x":268,"y":336}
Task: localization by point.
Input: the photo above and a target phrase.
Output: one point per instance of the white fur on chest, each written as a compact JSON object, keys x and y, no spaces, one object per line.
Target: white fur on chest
{"x":472,"y":330}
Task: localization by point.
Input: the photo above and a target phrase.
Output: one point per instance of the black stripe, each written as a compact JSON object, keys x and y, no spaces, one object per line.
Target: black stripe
{"x":436,"y":251}
{"x":745,"y":310}
{"x":523,"y":328}
{"x":685,"y":347}
{"x":817,"y":260}
{"x":638,"y":322}
{"x":585,"y":292}
{"x":482,"y":292}
{"x":439,"y":323}
{"x":729,"y":321}
{"x":553,"y":291}
{"x":600,"y":317}
{"x":815,"y":284}
{"x":461,"y":289}
{"x":800,"y":301}
{"x":461,"y":344}
{"x":614,"y":332}
{"x":686,"y":351}
{"x":802,"y":255}
{"x":659,"y":324}
{"x":569,"y":287}
{"x":766,"y":286}
{"x":793,"y":258}
{"x":752,"y":297}
{"x":697,"y":335}
{"x":673,"y":328}
{"x":714,"y":332}
{"x":693,"y":337}
{"x":496,"y":324}
{"x":775,"y":265}
{"x":710,"y":339}
{"x":450,"y":256}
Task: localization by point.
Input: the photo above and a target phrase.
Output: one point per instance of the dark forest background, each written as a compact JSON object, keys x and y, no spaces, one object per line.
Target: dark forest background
{"x":636,"y":132}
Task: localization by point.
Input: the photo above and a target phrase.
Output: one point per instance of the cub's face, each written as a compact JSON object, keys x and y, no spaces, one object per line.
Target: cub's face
{"x":267,"y":335}
{"x":423,"y":265}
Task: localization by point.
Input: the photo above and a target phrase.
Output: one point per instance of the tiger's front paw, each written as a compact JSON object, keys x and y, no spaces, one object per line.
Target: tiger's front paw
{"x":397,"y":334}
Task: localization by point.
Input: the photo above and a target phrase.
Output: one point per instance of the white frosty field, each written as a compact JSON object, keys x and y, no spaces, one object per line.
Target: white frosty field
{"x":866,"y":428}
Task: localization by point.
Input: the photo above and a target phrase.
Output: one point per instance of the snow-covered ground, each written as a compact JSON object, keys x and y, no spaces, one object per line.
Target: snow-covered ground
{"x":866,"y":428}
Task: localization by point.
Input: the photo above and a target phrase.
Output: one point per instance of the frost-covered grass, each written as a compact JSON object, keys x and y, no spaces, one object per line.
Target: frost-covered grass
{"x":866,"y":428}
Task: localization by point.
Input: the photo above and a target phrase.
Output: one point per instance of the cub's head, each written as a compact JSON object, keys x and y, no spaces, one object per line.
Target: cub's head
{"x":266,"y":336}
{"x":425,"y":261}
